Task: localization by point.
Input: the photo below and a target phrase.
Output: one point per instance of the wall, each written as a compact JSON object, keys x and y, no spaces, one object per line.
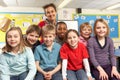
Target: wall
{"x":93,"y":11}
{"x":20,"y":9}
{"x":65,"y":14}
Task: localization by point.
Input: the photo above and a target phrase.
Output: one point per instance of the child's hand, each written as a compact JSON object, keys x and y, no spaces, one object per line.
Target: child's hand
{"x":103,"y":75}
{"x":65,"y":79}
{"x":90,"y":78}
{"x":115,"y":72}
{"x":48,"y":75}
{"x":47,"y":79}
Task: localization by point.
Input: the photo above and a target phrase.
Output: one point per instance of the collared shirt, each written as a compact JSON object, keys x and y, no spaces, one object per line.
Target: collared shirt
{"x":47,"y":58}
{"x":15,"y":64}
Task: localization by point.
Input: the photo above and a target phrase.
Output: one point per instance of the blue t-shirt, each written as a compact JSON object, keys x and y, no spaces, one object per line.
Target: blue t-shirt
{"x":47,"y":58}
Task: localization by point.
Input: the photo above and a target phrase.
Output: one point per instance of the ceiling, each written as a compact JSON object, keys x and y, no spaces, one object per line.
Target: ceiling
{"x":84,"y":4}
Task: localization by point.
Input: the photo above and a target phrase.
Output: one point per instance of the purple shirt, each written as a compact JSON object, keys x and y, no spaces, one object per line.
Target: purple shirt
{"x":101,"y":55}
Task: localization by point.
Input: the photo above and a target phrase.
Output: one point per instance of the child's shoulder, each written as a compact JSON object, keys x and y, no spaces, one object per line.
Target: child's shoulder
{"x":109,"y":39}
{"x":40,"y":45}
{"x":81,"y":44}
{"x":4,"y":55}
{"x":56,"y":45}
{"x":92,"y":38}
{"x":65,"y":46}
{"x":27,"y":48}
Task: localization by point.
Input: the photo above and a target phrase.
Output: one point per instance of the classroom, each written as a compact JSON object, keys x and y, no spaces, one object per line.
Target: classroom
{"x":24,"y":13}
{"x":66,"y":13}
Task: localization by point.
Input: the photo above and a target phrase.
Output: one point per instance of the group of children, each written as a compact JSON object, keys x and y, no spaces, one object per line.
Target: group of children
{"x":62,"y":55}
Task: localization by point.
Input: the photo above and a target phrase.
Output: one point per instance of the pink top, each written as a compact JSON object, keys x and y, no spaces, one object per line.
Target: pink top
{"x":82,"y":40}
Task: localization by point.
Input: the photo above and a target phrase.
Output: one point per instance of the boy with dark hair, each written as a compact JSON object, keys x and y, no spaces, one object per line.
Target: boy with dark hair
{"x":31,"y":37}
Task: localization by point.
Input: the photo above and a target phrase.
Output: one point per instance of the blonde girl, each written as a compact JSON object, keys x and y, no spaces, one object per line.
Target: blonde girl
{"x":101,"y":50}
{"x":16,"y":61}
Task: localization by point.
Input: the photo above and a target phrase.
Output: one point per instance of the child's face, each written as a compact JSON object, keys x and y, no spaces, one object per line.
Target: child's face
{"x":48,"y":39}
{"x":86,"y":32}
{"x":13,"y":38}
{"x":61,"y":30}
{"x":72,"y":39}
{"x":32,"y":37}
{"x":101,"y":29}
{"x":50,"y":13}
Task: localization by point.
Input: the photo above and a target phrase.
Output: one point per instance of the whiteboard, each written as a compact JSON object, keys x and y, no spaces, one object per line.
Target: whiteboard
{"x":71,"y":24}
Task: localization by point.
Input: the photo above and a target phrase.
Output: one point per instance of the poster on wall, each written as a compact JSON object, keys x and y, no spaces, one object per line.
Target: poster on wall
{"x":111,"y":19}
{"x":20,"y":19}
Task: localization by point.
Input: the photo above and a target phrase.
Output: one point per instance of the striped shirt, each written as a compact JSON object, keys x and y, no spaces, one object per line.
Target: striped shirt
{"x":101,"y":55}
